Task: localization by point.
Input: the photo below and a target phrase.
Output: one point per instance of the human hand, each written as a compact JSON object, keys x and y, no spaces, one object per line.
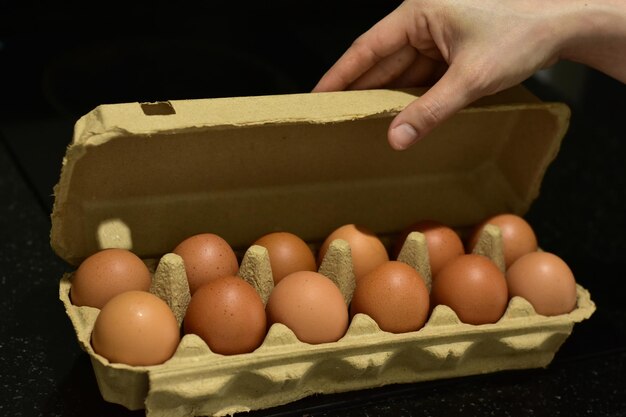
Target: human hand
{"x":470,"y":48}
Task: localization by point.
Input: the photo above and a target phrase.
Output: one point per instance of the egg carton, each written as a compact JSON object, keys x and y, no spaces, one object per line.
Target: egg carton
{"x":143,"y":176}
{"x":198,"y":382}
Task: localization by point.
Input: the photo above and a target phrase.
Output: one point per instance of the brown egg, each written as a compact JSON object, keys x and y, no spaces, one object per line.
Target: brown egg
{"x":367,"y":250}
{"x":206,"y":256}
{"x":474,"y":287}
{"x":288,"y":253}
{"x":394,"y":295}
{"x":518,"y":237}
{"x":444,"y":244}
{"x":311,"y":305}
{"x":545,"y":281}
{"x":228,"y":314}
{"x":136,"y":328}
{"x":106,"y":274}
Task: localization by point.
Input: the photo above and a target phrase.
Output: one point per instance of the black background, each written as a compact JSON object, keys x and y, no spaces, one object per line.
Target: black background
{"x":57,"y":62}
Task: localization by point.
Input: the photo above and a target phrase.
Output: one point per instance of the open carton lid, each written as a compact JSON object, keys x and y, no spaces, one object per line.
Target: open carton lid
{"x":145,"y":176}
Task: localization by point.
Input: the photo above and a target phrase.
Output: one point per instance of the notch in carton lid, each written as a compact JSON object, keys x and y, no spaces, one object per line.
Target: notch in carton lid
{"x":145,"y":176}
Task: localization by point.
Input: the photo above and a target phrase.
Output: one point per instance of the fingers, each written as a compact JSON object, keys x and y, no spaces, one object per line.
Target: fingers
{"x":387,"y":69}
{"x":449,"y":95}
{"x":423,"y":72}
{"x":385,"y":38}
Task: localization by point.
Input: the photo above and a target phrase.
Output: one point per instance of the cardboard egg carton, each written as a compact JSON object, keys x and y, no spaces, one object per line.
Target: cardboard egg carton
{"x":146,"y":176}
{"x":196,"y":381}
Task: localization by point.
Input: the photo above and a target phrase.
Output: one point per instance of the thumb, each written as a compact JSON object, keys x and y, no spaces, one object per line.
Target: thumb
{"x":442,"y":100}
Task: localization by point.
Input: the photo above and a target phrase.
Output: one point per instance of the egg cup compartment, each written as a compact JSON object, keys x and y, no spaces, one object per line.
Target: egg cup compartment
{"x":241,"y":167}
{"x":196,"y":381}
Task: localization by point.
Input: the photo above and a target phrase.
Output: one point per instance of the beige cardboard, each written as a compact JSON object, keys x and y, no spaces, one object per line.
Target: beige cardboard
{"x":198,"y":382}
{"x":140,"y":177}
{"x":307,"y":163}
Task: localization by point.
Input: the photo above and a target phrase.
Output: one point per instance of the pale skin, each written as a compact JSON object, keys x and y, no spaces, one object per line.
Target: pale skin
{"x":467,"y":49}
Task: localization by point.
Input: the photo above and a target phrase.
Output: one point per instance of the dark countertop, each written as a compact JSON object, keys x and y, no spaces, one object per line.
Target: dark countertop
{"x":48,"y":78}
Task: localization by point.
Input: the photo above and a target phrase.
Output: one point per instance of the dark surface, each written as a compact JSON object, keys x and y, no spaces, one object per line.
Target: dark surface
{"x":57,"y":64}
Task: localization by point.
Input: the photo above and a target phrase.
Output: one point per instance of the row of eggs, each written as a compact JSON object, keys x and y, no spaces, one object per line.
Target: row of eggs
{"x":138,"y":328}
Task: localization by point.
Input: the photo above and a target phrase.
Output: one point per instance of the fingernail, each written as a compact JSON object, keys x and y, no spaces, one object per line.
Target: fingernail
{"x":403,"y":136}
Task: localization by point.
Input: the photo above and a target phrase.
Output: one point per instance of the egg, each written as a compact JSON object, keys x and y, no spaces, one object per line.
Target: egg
{"x":106,"y":274}
{"x":136,"y":328}
{"x":518,"y":236}
{"x":473,"y":287}
{"x":311,"y":305}
{"x":444,"y":244}
{"x":228,"y":314}
{"x":206,"y":256}
{"x":367,"y":250}
{"x":545,"y":281}
{"x":394,"y":295}
{"x":288,"y":253}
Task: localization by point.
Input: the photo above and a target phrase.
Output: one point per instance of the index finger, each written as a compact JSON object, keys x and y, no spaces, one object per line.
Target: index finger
{"x":381,"y":40}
